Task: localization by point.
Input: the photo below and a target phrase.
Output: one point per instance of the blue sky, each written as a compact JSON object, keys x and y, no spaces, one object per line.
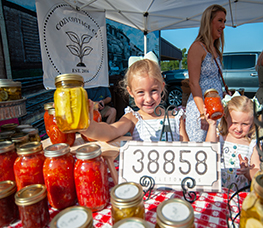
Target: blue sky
{"x":248,"y":37}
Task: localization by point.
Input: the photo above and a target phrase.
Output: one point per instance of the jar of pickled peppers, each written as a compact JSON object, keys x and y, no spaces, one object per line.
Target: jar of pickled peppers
{"x":47,"y":106}
{"x":8,"y":208}
{"x":33,"y":134}
{"x":127,"y":201}
{"x":58,"y":170}
{"x":6,"y":135}
{"x":73,"y":217}
{"x":175,"y":213}
{"x":252,"y":207}
{"x":71,"y":103}
{"x":33,"y":206}
{"x":10,"y":90}
{"x":28,"y":166}
{"x":213,"y":104}
{"x":7,"y":158}
{"x":20,"y":138}
{"x":91,"y":177}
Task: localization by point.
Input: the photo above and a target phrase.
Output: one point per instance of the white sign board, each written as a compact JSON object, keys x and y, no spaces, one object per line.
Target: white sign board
{"x":168,"y":163}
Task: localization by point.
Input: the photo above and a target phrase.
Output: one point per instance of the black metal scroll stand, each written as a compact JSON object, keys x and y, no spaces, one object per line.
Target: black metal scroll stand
{"x":188,"y":196}
{"x":146,"y":181}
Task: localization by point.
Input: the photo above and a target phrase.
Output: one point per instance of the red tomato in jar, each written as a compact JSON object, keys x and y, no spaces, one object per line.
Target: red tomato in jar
{"x":56,"y":136}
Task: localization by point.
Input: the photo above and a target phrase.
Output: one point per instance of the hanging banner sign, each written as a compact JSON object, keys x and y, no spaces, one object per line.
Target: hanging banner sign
{"x":72,"y":42}
{"x":168,"y":163}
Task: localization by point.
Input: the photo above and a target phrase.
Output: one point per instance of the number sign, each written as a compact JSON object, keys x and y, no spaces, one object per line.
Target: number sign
{"x":168,"y":163}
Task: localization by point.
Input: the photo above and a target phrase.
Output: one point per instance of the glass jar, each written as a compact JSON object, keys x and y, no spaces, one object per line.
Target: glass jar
{"x":58,"y":170}
{"x":32,"y":134}
{"x":6,"y":135}
{"x":73,"y":217}
{"x":175,"y":213}
{"x":127,"y":201}
{"x":91,"y":178}
{"x":131,"y":222}
{"x":259,"y":172}
{"x":19,"y":128}
{"x":7,"y":158}
{"x":47,"y":106}
{"x":33,"y":206}
{"x":71,"y":103}
{"x":9,"y":127}
{"x":20,"y":138}
{"x":55,"y":135}
{"x":28,"y":166}
{"x":10,"y":90}
{"x":8,"y":208}
{"x":213,"y":104}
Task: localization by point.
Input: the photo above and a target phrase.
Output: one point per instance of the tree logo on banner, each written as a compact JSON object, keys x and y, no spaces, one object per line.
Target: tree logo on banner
{"x":78,"y":49}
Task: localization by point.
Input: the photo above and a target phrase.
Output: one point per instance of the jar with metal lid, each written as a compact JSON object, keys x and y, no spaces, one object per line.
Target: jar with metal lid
{"x":33,"y":206}
{"x":58,"y":170}
{"x":252,"y":207}
{"x":6,"y":135}
{"x":28,"y":166}
{"x":131,"y":222}
{"x":47,"y":106}
{"x":8,"y":208}
{"x":9,"y":127}
{"x":32,"y":134}
{"x":91,"y":177}
{"x":55,"y":135}
{"x":10,"y":90}
{"x":175,"y":213}
{"x":73,"y":217}
{"x":20,"y":138}
{"x":19,"y":128}
{"x":127,"y":201}
{"x":213,"y":104}
{"x":7,"y":158}
{"x":71,"y":103}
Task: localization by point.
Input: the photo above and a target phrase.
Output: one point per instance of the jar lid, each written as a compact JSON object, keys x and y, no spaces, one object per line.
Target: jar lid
{"x":9,"y":83}
{"x":18,"y":137}
{"x":7,"y":188}
{"x":21,"y":127}
{"x":48,"y":105}
{"x":209,"y":91}
{"x":29,"y":148}
{"x":30,"y":131}
{"x":258,"y":185}
{"x":175,"y":212}
{"x":88,"y":151}
{"x":73,"y":217}
{"x":56,"y":150}
{"x":6,"y":134}
{"x":51,"y":111}
{"x":68,"y":77}
{"x":8,"y":127}
{"x":131,"y":222}
{"x":126,"y":194}
{"x":6,"y":146}
{"x":30,"y":194}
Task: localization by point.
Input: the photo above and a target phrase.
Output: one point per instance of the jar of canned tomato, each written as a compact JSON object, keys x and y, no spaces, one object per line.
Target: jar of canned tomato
{"x":33,"y":134}
{"x":213,"y":104}
{"x":33,"y":206}
{"x":8,"y":208}
{"x":28,"y":166}
{"x":67,"y":218}
{"x":7,"y":158}
{"x":127,"y":201}
{"x":47,"y":106}
{"x":91,"y":177}
{"x":71,"y":103}
{"x":58,"y":170}
{"x":175,"y":213}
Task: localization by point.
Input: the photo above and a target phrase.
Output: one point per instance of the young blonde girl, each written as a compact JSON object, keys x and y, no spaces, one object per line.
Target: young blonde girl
{"x":144,"y":83}
{"x":239,"y":157}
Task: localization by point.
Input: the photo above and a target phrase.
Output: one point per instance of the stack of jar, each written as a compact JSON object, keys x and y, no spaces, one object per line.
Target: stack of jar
{"x":10,"y":90}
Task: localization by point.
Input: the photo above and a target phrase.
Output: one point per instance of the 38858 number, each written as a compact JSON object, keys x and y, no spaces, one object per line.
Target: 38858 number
{"x":169,"y":166}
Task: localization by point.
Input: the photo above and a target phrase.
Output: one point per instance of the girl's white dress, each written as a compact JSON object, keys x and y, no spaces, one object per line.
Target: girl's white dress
{"x":230,"y":162}
{"x":150,"y":130}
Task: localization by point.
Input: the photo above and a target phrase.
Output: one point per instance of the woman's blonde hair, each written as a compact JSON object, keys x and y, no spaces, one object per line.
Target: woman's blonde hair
{"x":239,"y":104}
{"x":141,"y":68}
{"x":205,"y":33}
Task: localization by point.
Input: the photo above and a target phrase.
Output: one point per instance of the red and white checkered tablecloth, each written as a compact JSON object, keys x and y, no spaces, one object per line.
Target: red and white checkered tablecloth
{"x":210,"y":209}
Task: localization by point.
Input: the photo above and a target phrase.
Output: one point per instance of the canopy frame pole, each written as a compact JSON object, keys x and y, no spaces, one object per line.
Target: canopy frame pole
{"x":231,"y":13}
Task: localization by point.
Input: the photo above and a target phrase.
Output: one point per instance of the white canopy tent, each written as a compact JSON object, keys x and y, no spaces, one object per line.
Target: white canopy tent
{"x":152,"y":15}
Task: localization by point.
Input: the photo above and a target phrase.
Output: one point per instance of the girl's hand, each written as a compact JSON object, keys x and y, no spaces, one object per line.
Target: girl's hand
{"x":209,"y":121}
{"x":244,"y":167}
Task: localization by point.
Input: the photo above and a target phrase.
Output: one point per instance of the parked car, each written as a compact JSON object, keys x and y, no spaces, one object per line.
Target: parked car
{"x":238,"y":71}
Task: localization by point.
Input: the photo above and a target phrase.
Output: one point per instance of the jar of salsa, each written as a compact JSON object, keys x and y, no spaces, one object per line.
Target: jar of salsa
{"x":213,"y":104}
{"x":175,"y":213}
{"x":28,"y":166}
{"x":91,"y":177}
{"x":32,"y":134}
{"x":33,"y":206}
{"x":47,"y":106}
{"x":126,"y":201}
{"x":20,"y":138}
{"x":55,"y":135}
{"x":7,"y":158}
{"x":71,"y":103}
{"x":8,"y":208}
{"x":58,"y":170}
{"x":73,"y":217}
